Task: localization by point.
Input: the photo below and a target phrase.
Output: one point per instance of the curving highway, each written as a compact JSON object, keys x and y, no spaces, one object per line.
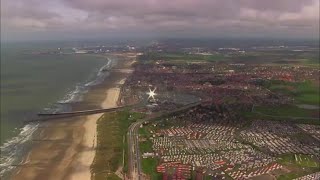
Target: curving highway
{"x":134,"y":164}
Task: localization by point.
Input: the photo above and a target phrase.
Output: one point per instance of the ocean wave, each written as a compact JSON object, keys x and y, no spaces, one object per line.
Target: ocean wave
{"x":14,"y":147}
{"x":76,"y":95}
{"x":101,"y":75}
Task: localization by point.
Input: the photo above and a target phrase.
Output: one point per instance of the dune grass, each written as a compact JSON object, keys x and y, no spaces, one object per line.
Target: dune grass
{"x":111,"y":142}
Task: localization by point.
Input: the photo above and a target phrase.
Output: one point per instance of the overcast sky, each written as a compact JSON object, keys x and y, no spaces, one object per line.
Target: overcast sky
{"x":62,"y":19}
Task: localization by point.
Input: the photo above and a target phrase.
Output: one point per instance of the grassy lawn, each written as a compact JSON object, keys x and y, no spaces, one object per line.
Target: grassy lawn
{"x":289,"y":176}
{"x":308,"y":98}
{"x":302,"y":165}
{"x":144,"y":132}
{"x":149,"y":166}
{"x":255,"y":116}
{"x":180,"y":56}
{"x":306,"y":161}
{"x":125,"y":148}
{"x":312,"y":61}
{"x":282,"y":88}
{"x":294,"y":175}
{"x":285,"y":110}
{"x":307,"y":93}
{"x":301,"y":160}
{"x":145,"y":146}
{"x":303,"y":92}
{"x":111,"y":130}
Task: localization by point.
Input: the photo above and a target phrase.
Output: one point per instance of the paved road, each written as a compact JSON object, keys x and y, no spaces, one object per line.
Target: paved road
{"x":134,"y":164}
{"x":134,"y":168}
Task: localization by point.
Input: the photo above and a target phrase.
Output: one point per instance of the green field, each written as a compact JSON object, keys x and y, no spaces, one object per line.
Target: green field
{"x":285,"y":110}
{"x":303,"y":92}
{"x":254,"y":116}
{"x":307,"y":161}
{"x":290,"y":176}
{"x":145,"y":146}
{"x":179,"y":56}
{"x":148,"y":165}
{"x":300,"y":164}
{"x":111,"y":130}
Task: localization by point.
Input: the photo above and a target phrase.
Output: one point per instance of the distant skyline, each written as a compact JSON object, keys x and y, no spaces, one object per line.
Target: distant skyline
{"x":84,"y":19}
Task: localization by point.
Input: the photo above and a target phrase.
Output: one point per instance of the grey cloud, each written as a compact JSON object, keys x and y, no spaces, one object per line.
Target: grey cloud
{"x":28,"y":9}
{"x":166,"y":11}
{"x":277,"y":5}
{"x":164,"y":17}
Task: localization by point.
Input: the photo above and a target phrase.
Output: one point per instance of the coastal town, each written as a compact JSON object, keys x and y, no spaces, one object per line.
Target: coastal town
{"x":200,"y":113}
{"x":220,"y":112}
{"x":160,"y":90}
{"x":250,"y":122}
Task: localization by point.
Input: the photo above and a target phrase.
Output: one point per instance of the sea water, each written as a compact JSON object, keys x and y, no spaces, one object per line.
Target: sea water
{"x":33,"y":82}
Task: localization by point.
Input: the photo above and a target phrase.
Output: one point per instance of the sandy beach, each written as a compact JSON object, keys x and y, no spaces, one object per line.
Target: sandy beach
{"x":85,"y":158}
{"x":65,"y":148}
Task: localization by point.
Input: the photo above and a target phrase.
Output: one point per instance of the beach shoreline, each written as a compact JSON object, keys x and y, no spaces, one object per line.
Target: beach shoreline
{"x":83,"y":161}
{"x":65,"y":148}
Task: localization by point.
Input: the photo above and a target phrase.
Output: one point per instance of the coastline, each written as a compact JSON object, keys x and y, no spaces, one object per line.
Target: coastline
{"x":65,"y":148}
{"x":85,"y":158}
